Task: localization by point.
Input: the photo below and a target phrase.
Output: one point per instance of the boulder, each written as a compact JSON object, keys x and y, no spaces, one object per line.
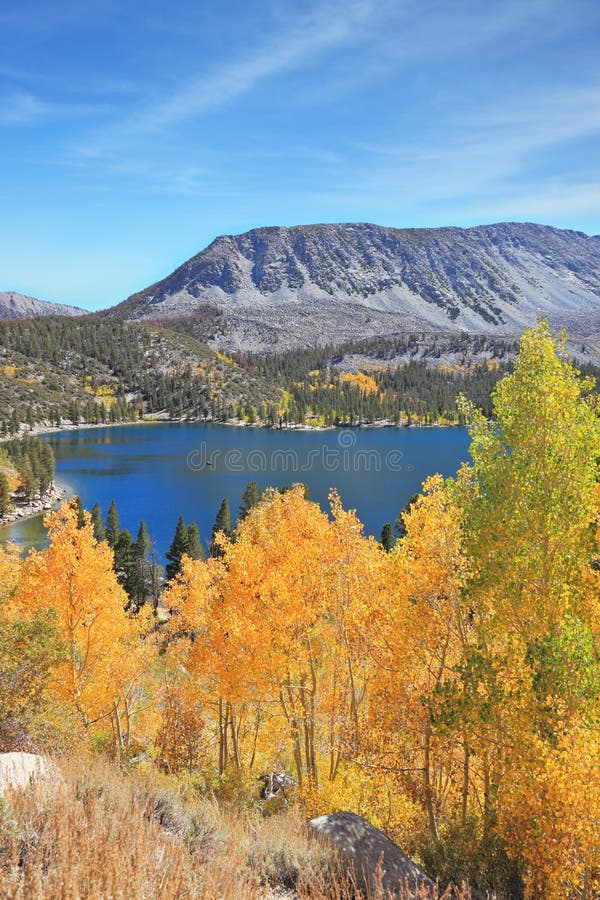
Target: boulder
{"x":20,"y":770}
{"x":377,"y":861}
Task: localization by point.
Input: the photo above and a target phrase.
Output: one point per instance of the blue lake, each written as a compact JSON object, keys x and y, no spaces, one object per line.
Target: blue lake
{"x":158,"y":471}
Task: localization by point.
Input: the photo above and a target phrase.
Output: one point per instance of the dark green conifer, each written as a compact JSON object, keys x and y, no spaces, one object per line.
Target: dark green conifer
{"x":124,"y":562}
{"x":179,"y":547}
{"x":112,"y":525}
{"x":399,"y":523}
{"x":195,"y":548}
{"x":387,"y":537}
{"x":98,"y":522}
{"x":250,"y":498}
{"x":142,"y":565}
{"x":222,"y":524}
{"x":5,"y":504}
{"x":80,"y":511}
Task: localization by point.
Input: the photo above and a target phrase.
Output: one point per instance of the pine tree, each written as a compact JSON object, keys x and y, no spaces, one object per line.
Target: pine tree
{"x":46,"y":467}
{"x":195,"y":548}
{"x":179,"y":547}
{"x":80,"y":511}
{"x":112,"y":525}
{"x":222,"y":524}
{"x":5,"y":504}
{"x":387,"y":537}
{"x":98,"y":523}
{"x":142,"y":542}
{"x":250,"y":498}
{"x":27,"y":480}
{"x":399,"y":523}
{"x":124,"y":562}
{"x":141,"y":564}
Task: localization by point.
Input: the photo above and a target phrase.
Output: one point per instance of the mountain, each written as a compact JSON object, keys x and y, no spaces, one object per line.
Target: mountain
{"x":19,"y":306}
{"x":279,"y":288}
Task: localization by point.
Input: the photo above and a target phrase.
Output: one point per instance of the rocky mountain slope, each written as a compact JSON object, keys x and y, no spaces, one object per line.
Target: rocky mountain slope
{"x":277,"y":288}
{"x":19,"y":306}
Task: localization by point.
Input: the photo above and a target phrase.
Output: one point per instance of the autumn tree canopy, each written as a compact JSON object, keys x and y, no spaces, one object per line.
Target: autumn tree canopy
{"x":446,"y":686}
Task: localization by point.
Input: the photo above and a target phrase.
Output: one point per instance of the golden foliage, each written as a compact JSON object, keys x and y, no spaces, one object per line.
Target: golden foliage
{"x":450,"y":686}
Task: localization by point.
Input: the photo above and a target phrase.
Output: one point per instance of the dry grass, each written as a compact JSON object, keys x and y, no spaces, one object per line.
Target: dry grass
{"x":103,"y":835}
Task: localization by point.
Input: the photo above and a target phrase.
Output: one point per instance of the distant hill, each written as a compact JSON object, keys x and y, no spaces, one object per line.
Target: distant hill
{"x":19,"y":306}
{"x":280,"y":288}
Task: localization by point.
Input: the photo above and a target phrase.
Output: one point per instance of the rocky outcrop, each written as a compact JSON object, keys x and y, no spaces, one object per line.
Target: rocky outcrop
{"x":379,"y":864}
{"x":19,"y":306}
{"x":285,"y":287}
{"x":27,"y":509}
{"x":20,"y":770}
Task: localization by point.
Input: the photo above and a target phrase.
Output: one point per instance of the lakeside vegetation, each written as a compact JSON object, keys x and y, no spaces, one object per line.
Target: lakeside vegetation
{"x":27,"y":467}
{"x":59,"y":371}
{"x":466,"y":723}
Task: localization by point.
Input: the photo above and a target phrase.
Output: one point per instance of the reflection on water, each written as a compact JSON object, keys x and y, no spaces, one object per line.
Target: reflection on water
{"x":157,"y":472}
{"x":28,"y":533}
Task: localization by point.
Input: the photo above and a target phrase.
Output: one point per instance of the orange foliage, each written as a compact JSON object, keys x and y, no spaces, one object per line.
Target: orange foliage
{"x":105,"y":655}
{"x":365,"y":383}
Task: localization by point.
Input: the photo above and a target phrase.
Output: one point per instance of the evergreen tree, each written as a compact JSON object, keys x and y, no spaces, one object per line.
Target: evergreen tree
{"x":195,"y":548}
{"x":250,"y":498}
{"x":387,"y":537}
{"x":80,"y":511}
{"x":399,"y":523}
{"x":179,"y":547}
{"x":141,"y":565}
{"x":28,"y":480}
{"x":98,"y":523}
{"x":142,"y":542}
{"x":124,"y":562}
{"x":46,"y":467}
{"x":222,"y":523}
{"x":5,"y":504}
{"x":112,"y":525}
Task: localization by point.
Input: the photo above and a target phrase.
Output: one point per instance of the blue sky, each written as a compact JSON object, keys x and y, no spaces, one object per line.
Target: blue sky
{"x":133,"y":133}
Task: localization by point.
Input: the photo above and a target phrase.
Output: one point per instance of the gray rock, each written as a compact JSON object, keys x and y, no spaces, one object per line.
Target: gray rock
{"x":20,"y":770}
{"x":19,"y":306}
{"x":367,"y":847}
{"x":277,"y":288}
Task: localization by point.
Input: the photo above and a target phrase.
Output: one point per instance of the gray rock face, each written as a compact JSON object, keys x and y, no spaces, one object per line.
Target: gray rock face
{"x":19,"y":306}
{"x":20,"y":770}
{"x":364,"y":845}
{"x":285,"y":287}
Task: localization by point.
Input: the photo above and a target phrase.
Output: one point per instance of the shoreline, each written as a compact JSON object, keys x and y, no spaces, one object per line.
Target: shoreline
{"x":38,"y":430}
{"x":56,"y":494}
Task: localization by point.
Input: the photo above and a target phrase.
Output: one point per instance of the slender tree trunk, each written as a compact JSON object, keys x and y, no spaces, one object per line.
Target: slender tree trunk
{"x":465,"y":784}
{"x":117,"y":730}
{"x":234,"y":740}
{"x":428,"y":790}
{"x":292,"y":721}
{"x":255,"y":738}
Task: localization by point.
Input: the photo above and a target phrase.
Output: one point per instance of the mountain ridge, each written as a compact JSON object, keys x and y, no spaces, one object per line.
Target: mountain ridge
{"x":280,"y":287}
{"x":14,"y":305}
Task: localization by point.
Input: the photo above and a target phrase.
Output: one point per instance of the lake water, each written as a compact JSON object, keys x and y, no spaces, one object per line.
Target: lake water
{"x":159,"y":471}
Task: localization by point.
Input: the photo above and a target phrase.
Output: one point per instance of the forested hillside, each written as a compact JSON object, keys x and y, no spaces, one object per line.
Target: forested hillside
{"x":466,"y":723}
{"x":57,"y":370}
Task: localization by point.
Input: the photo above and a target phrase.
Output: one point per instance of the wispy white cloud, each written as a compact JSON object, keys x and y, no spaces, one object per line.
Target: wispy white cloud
{"x":460,"y":155}
{"x":551,"y":201}
{"x":322,"y":29}
{"x":23,"y":108}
